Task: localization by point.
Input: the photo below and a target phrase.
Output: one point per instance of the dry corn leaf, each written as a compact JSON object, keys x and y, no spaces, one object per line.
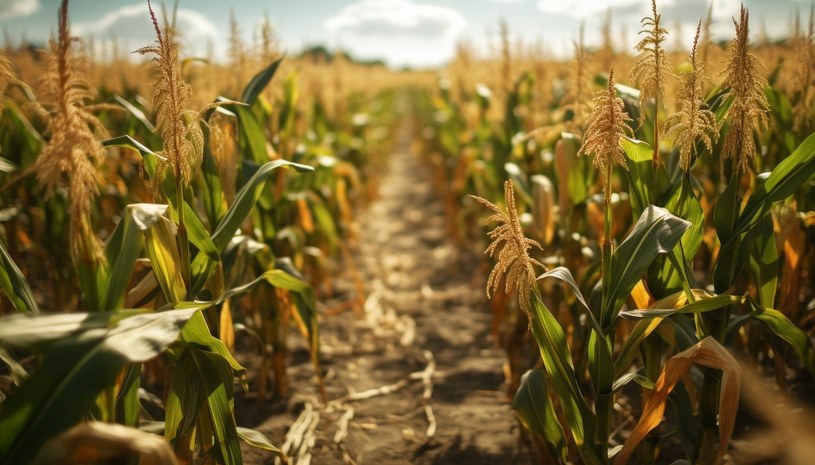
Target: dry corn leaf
{"x":643,"y":328}
{"x":304,"y":213}
{"x":96,"y":441}
{"x":543,"y":213}
{"x":223,"y":145}
{"x":595,"y":217}
{"x":342,"y":201}
{"x":462,"y":171}
{"x":708,"y":353}
{"x":794,"y":246}
{"x":140,"y":291}
{"x":641,"y":296}
{"x":227,"y":331}
{"x":564,"y":160}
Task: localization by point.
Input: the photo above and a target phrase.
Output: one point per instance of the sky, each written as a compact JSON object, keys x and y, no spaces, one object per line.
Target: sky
{"x":416,"y":33}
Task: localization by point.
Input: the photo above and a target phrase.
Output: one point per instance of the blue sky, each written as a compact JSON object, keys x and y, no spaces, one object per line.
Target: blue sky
{"x":403,"y":32}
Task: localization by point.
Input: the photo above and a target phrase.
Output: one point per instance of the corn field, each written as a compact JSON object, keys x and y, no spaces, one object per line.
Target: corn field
{"x":514,"y":258}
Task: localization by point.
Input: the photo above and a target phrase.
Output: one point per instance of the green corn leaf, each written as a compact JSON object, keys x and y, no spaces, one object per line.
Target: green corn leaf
{"x":563,"y":274}
{"x":782,"y":327}
{"x":128,"y":405}
{"x":683,"y":203}
{"x":84,"y":357}
{"x":135,"y":112}
{"x":197,"y":233}
{"x":640,"y":173}
{"x":782,"y":116}
{"x":534,"y":408}
{"x":141,"y":337}
{"x":557,"y":361}
{"x":641,"y":330}
{"x":643,"y":381}
{"x":684,"y":331}
{"x":124,"y":247}
{"x":212,"y":193}
{"x":208,"y":362}
{"x":601,"y":369}
{"x":216,"y":379}
{"x":726,"y":210}
{"x":704,"y":303}
{"x":787,"y":177}
{"x":150,"y":158}
{"x":196,"y":334}
{"x":92,"y":277}
{"x":151,"y":162}
{"x":15,"y":286}
{"x":251,"y":138}
{"x":54,"y":398}
{"x":246,"y":199}
{"x":31,"y":139}
{"x":656,"y":231}
{"x":184,"y":400}
{"x":718,"y":103}
{"x":730,"y":261}
{"x":288,"y":108}
{"x":259,"y":82}
{"x":325,"y":221}
{"x":764,"y":263}
{"x":258,"y":440}
{"x":208,"y":256}
{"x":305,"y":301}
{"x":39,"y":333}
{"x":682,"y":407}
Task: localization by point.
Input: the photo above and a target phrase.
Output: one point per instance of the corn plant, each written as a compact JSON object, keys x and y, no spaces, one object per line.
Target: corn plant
{"x":110,"y":345}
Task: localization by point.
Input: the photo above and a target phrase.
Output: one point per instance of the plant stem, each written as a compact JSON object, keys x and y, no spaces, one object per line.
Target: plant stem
{"x":716,"y":325}
{"x":183,"y":242}
{"x":655,"y":160}
{"x":605,"y":398}
{"x":709,"y":406}
{"x":606,"y":251}
{"x":88,"y":268}
{"x":603,"y":409}
{"x":653,"y":366}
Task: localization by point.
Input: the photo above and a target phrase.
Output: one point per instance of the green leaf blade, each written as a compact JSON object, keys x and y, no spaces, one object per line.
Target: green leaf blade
{"x":657,"y":231}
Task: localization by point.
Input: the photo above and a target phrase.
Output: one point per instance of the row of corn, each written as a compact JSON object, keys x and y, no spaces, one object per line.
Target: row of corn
{"x":650,"y":243}
{"x":140,"y":233}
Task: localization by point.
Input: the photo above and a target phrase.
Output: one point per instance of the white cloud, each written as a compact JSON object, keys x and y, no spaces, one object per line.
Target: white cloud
{"x":403,"y":17}
{"x":586,"y":8}
{"x":724,"y":11}
{"x":401,"y":32}
{"x":131,"y":24}
{"x":16,"y":8}
{"x":689,"y":11}
{"x":626,"y":16}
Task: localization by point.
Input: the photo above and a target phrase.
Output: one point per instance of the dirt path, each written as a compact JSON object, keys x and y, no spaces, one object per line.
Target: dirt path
{"x":415,"y":379}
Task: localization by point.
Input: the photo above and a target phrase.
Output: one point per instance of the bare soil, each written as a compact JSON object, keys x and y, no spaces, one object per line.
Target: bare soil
{"x":412,"y":377}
